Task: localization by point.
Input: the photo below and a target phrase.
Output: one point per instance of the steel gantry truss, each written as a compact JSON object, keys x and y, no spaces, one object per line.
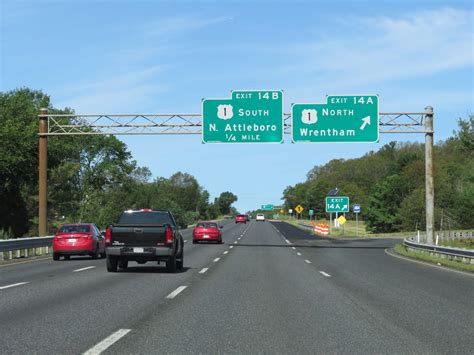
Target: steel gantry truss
{"x":191,"y":123}
{"x":180,"y":123}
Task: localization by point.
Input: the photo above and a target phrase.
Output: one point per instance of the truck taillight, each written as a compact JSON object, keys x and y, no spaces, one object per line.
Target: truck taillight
{"x":108,"y":235}
{"x":169,"y":235}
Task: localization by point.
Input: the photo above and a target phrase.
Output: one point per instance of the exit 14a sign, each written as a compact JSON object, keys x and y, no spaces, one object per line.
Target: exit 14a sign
{"x":340,"y":119}
{"x":337,"y":204}
{"x":247,"y":117}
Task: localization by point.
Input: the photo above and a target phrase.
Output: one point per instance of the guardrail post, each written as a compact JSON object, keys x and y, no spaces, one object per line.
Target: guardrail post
{"x":429,"y":184}
{"x":43,"y":178}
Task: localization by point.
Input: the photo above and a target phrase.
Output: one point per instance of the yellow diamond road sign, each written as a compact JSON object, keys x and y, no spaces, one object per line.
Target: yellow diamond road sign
{"x":341,"y":220}
{"x":299,"y":209}
{"x":282,"y":211}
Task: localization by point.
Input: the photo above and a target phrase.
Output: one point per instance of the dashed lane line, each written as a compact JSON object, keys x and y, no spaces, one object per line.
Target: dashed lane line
{"x":176,"y":292}
{"x":307,"y":261}
{"x":203,"y":270}
{"x":107,"y":342}
{"x":293,"y":248}
{"x":13,"y":285}
{"x":299,"y":254}
{"x":231,"y":246}
{"x":84,"y":268}
{"x":324,"y":274}
{"x":235,"y":242}
{"x":216,"y":260}
{"x":226,"y":252}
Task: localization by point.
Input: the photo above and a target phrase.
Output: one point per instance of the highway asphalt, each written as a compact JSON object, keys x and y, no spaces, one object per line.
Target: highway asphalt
{"x":270,"y":288}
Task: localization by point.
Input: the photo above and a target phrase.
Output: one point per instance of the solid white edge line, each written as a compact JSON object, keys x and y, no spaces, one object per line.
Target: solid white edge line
{"x":307,"y":261}
{"x":226,"y":252}
{"x":299,"y":254}
{"x":107,"y":342}
{"x":176,"y":292}
{"x":324,"y":274}
{"x":203,"y":270}
{"x":84,"y":268}
{"x":216,"y":260}
{"x":13,"y":285}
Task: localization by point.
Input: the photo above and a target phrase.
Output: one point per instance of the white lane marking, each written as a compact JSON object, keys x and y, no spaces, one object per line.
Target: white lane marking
{"x":307,"y":261}
{"x":185,"y":241}
{"x":235,"y":242}
{"x":226,"y":252}
{"x":287,"y":241}
{"x":216,"y":260}
{"x":84,"y":268}
{"x":325,"y":274}
{"x":241,"y":235}
{"x":293,"y":248}
{"x":238,"y":238}
{"x":176,"y":292}
{"x":231,"y":246}
{"x":13,"y":285}
{"x":203,"y":270}
{"x":107,"y":342}
{"x":299,"y":254}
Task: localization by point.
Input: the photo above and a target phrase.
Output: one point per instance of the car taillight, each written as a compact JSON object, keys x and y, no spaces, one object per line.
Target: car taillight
{"x":108,"y":235}
{"x":169,"y":235}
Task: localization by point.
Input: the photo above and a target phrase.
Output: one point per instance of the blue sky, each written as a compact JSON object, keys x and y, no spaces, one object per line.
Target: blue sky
{"x":164,"y":57}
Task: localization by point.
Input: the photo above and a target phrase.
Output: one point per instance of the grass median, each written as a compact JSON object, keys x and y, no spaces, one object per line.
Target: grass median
{"x":458,"y":265}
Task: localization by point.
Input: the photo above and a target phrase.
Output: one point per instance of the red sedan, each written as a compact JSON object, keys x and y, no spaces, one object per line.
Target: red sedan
{"x":241,"y":218}
{"x":78,"y":239}
{"x":207,"y":231}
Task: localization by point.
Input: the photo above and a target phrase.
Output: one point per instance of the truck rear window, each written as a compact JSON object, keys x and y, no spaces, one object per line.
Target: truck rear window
{"x":146,"y":218}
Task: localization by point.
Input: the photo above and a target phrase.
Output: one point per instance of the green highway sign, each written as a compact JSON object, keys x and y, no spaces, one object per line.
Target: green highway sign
{"x":311,"y":212}
{"x":340,"y":119}
{"x":247,"y":117}
{"x":337,"y":204}
{"x":267,"y":207}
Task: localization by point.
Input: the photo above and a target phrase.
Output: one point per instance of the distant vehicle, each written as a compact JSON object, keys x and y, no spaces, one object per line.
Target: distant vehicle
{"x":260,"y":217}
{"x":142,"y":236}
{"x":241,"y":218}
{"x":249,"y":217}
{"x":78,"y":239}
{"x":207,"y":231}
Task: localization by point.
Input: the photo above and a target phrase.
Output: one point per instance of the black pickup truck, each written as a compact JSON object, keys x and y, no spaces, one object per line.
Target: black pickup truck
{"x":144,"y":235}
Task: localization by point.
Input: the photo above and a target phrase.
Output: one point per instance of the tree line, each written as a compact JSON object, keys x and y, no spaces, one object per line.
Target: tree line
{"x":390,"y":184}
{"x":90,"y":178}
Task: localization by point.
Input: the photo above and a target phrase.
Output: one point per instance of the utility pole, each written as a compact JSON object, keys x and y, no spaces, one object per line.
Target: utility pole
{"x":429,"y":183}
{"x":43,"y":177}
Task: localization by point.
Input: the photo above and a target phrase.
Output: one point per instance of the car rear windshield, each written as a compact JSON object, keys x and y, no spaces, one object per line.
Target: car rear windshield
{"x":241,"y":216}
{"x":146,"y":218}
{"x":206,"y":225}
{"x":75,"y":229}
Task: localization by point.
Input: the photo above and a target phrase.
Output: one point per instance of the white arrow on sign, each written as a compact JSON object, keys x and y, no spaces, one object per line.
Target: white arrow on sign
{"x":366,"y":121}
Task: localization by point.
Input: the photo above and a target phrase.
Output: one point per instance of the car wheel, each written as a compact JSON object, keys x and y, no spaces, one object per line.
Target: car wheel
{"x":102,"y":255}
{"x":180,"y":261}
{"x":195,"y":241}
{"x":123,"y":264}
{"x":112,"y":264}
{"x":55,"y":256}
{"x":219,"y":241}
{"x":171,"y":264}
{"x":96,"y":253}
{"x":67,"y":257}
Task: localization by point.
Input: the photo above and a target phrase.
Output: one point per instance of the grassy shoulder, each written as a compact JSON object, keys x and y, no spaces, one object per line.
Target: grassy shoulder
{"x":401,"y":250}
{"x":467,"y":243}
{"x":351,"y":229}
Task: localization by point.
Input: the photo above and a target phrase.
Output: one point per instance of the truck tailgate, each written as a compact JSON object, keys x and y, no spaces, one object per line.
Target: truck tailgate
{"x":139,"y":236}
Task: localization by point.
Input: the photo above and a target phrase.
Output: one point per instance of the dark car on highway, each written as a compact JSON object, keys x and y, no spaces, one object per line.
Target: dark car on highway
{"x":78,"y":239}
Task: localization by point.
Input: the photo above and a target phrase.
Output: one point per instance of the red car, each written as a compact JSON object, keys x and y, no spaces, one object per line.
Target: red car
{"x":241,"y":218}
{"x":207,"y":231}
{"x":78,"y":239}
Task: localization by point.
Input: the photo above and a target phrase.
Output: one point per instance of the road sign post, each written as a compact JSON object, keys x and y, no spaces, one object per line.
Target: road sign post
{"x":247,"y":117}
{"x":356,"y":210}
{"x":341,"y":119}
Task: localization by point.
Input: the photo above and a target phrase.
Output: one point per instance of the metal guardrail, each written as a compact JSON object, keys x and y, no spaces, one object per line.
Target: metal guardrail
{"x":465,"y":255}
{"x":25,"y":244}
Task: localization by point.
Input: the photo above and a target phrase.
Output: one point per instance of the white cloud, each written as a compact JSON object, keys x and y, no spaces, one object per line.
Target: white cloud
{"x":119,"y":93}
{"x":382,"y":48}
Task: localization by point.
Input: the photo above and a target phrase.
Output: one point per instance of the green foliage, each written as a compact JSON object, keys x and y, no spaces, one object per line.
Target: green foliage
{"x":90,"y":178}
{"x":390,"y":183}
